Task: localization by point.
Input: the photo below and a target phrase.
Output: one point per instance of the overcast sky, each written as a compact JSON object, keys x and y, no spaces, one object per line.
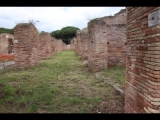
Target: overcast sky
{"x":53,"y":18}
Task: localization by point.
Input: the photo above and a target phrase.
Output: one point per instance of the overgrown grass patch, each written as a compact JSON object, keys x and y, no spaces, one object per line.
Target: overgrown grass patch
{"x":61,"y":84}
{"x":116,"y":72}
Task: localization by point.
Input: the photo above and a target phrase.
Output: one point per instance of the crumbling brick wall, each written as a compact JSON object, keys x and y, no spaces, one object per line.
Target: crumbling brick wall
{"x":78,"y":46}
{"x":6,"y":43}
{"x":142,"y":60}
{"x":69,"y":46}
{"x":97,"y":45}
{"x":106,"y":44}
{"x":64,"y":46}
{"x":59,"y":46}
{"x":116,"y":39}
{"x":26,"y":45}
{"x":83,"y":45}
{"x":45,"y":49}
{"x":74,"y":44}
{"x":53,"y":45}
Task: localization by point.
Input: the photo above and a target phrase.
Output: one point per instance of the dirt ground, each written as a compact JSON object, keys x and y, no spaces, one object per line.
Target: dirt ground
{"x":112,"y":105}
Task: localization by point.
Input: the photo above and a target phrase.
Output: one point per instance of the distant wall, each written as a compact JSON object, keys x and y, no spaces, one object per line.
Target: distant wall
{"x":5,"y":41}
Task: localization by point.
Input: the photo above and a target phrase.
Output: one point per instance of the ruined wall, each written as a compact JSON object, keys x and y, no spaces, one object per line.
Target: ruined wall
{"x":78,"y":46}
{"x":83,"y":45}
{"x":74,"y":44}
{"x":45,"y":49}
{"x":118,"y":18}
{"x":59,"y":45}
{"x":106,"y":44}
{"x":5,"y":41}
{"x":26,"y":45}
{"x":116,"y":39}
{"x":69,"y":46}
{"x":64,"y":46}
{"x":53,"y":46}
{"x":143,"y":60}
{"x":97,"y":45}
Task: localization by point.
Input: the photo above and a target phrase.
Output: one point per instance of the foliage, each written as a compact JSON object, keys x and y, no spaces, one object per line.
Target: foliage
{"x":56,"y":34}
{"x":116,"y":72}
{"x":66,"y":86}
{"x":6,"y":30}
{"x":66,"y":33}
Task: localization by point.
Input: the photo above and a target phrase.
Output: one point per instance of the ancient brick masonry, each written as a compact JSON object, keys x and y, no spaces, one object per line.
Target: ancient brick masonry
{"x":26,"y":45}
{"x":74,"y":44}
{"x":30,"y":47}
{"x":143,"y":60}
{"x":106,"y":44}
{"x":45,"y":49}
{"x":59,"y":45}
{"x":6,"y":43}
{"x":83,"y":43}
{"x":78,"y":45}
{"x":53,"y":45}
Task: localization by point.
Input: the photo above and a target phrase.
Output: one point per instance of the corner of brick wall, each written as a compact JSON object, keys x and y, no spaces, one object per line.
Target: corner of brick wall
{"x":142,"y":62}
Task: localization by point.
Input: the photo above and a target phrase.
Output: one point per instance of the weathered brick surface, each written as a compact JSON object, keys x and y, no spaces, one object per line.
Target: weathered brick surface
{"x":26,"y":50}
{"x":45,"y":48}
{"x":116,"y":39}
{"x":60,"y":46}
{"x":74,"y":44}
{"x":142,"y":92}
{"x":53,"y":46}
{"x":84,"y":44}
{"x":5,"y":41}
{"x":106,"y":44}
{"x":78,"y":46}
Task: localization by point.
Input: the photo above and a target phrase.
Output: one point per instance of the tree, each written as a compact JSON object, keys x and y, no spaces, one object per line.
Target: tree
{"x":66,"y":33}
{"x":56,"y":34}
{"x":6,"y":30}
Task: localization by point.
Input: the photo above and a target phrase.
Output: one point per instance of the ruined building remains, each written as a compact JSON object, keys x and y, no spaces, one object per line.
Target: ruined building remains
{"x":143,"y":60}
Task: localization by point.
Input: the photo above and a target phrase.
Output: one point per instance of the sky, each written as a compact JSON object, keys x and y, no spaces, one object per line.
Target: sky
{"x":49,"y":19}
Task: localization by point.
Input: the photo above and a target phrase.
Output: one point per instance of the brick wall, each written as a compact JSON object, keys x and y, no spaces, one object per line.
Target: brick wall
{"x":142,"y":62}
{"x":78,"y":46}
{"x":53,"y":45}
{"x":116,"y":39}
{"x":106,"y":44}
{"x":5,"y":40}
{"x":74,"y":44}
{"x":97,"y":45}
{"x":27,"y":45}
{"x":83,"y":45}
{"x":59,"y":45}
{"x":45,"y":49}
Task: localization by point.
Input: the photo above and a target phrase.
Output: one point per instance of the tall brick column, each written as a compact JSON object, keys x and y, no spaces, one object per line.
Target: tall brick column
{"x":26,"y":43}
{"x":106,"y":44}
{"x":78,"y":42}
{"x":97,"y":45}
{"x":142,"y":92}
{"x":84,"y":45}
{"x":45,"y":49}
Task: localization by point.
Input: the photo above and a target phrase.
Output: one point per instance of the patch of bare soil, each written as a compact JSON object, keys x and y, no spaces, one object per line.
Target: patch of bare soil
{"x":115,"y":104}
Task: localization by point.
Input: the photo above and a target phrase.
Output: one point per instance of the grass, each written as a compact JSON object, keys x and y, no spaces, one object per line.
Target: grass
{"x":116,"y":72}
{"x":61,"y":84}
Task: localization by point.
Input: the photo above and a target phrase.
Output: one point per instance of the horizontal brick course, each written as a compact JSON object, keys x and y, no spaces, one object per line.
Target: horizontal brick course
{"x":142,"y":62}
